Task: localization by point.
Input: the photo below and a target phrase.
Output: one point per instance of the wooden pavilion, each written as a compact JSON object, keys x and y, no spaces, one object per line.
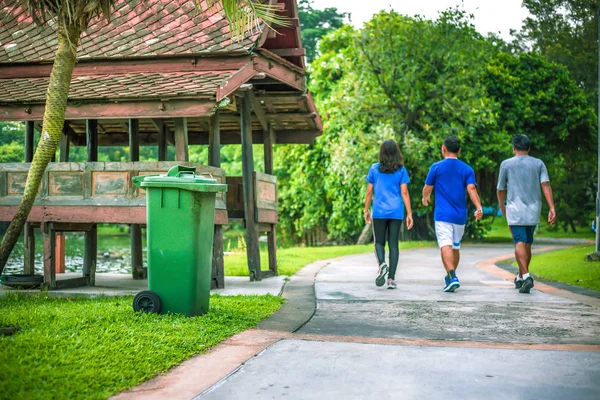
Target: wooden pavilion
{"x":159,"y":74}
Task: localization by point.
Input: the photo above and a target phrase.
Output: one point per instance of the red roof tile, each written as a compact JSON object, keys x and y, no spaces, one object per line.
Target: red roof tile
{"x":138,"y":28}
{"x":119,"y":87}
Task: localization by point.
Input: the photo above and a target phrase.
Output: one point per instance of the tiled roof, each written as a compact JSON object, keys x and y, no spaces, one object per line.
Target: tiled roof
{"x":138,"y":28}
{"x":126,"y":86}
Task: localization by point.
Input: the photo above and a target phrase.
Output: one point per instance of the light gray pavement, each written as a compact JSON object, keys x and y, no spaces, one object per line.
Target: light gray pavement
{"x":125,"y":285}
{"x":484,"y":341}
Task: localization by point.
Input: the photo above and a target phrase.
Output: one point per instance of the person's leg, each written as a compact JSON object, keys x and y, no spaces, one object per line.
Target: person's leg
{"x":379,"y":231}
{"x":456,"y":257}
{"x":526,"y":259}
{"x":379,"y":228}
{"x":448,"y":258}
{"x":521,"y":254}
{"x":457,"y":233}
{"x":393,"y":237}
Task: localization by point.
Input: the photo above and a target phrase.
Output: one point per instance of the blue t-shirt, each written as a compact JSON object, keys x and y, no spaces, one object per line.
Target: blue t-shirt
{"x":449,"y":179}
{"x":387,"y":199}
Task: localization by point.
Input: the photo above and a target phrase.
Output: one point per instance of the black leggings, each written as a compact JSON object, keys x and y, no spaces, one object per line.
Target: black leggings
{"x":389,"y":228}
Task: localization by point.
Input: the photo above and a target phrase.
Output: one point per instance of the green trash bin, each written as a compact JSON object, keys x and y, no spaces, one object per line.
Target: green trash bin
{"x":180,"y":209}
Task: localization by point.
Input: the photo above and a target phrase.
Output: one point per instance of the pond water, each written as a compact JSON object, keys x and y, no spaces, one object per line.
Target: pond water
{"x":114,"y":254}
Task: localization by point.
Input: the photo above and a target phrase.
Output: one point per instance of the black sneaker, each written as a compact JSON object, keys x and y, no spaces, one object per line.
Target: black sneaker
{"x":518,"y":283}
{"x":383,"y":270}
{"x":527,"y":285}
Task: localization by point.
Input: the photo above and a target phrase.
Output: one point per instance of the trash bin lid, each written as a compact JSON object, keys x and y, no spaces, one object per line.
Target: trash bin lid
{"x":182,"y":177}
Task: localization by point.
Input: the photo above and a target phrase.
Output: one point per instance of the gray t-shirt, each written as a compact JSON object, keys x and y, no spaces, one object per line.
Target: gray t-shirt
{"x":521,"y":177}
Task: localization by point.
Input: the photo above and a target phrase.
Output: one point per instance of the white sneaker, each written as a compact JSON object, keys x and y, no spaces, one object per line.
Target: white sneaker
{"x":383,"y":270}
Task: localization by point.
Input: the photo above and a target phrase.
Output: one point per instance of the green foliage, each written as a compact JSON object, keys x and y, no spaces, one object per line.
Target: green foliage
{"x":94,"y":348}
{"x":315,"y":24}
{"x":566,"y":32}
{"x":12,"y":141}
{"x":568,"y":266}
{"x":417,"y":81}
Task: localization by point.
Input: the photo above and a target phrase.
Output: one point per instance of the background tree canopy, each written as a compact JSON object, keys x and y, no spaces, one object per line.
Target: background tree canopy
{"x":417,"y":81}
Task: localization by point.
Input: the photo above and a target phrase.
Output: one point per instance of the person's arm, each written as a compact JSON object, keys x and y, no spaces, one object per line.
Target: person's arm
{"x":368,"y":199}
{"x":547,"y":189}
{"x":501,"y":199}
{"x":472,"y":190}
{"x":427,"y":189}
{"x":406,"y":199}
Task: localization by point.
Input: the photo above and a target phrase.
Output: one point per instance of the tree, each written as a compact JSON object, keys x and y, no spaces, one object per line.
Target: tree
{"x":565,"y":31}
{"x":72,"y":18}
{"x":315,"y":24}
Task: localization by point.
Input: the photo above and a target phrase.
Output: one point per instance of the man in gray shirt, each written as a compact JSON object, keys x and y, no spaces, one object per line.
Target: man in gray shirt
{"x":521,"y":182}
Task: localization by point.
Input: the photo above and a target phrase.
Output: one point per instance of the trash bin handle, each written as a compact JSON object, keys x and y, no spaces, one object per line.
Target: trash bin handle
{"x":179,"y":169}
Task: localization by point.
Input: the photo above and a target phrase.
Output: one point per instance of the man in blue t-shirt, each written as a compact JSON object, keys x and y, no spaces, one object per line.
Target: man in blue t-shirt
{"x":448,"y":179}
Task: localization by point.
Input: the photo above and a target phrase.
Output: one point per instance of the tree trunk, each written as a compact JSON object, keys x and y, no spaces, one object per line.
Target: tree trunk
{"x":366,"y":235}
{"x":54,"y":118}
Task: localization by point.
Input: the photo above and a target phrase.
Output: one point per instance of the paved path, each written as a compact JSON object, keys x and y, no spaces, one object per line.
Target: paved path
{"x":364,"y":342}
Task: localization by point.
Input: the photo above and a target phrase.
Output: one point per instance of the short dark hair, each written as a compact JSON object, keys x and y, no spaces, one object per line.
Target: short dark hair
{"x":390,"y":157}
{"x":452,"y":144}
{"x":521,"y":142}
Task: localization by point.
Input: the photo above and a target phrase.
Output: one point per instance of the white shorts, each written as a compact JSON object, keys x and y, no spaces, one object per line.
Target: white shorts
{"x":449,"y":234}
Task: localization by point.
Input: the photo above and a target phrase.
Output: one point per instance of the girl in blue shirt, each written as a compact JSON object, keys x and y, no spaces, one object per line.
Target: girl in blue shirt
{"x":388,"y":188}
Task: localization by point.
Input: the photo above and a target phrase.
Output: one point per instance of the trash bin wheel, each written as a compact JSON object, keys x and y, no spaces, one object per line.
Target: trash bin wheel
{"x":147,"y":301}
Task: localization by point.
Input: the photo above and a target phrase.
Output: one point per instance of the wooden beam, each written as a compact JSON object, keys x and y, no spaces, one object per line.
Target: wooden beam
{"x":29,"y":135}
{"x":258,"y":110}
{"x":290,"y":52}
{"x":49,"y":255}
{"x":181,"y":139}
{"x":91,"y":133}
{"x":110,"y":110}
{"x":214,"y":141}
{"x":134,"y":139}
{"x":29,"y":249}
{"x":64,"y":144}
{"x":114,"y":67}
{"x":162,"y":139}
{"x":218,"y":268}
{"x":252,"y":245}
{"x":235,"y":81}
{"x":137,"y":264}
{"x":282,"y":73}
{"x":269,"y":140}
{"x":90,"y":255}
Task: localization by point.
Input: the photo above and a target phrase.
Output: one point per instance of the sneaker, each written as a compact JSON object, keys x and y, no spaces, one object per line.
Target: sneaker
{"x":518,"y":283}
{"x":527,"y":285}
{"x":452,"y":285}
{"x":392,"y":284}
{"x":446,"y":280}
{"x":383,"y":270}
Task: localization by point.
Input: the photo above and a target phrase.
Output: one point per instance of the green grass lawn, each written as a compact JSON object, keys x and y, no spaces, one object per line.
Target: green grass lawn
{"x":290,"y":260}
{"x":568,"y":266}
{"x":94,"y":348}
{"x":500,"y":232}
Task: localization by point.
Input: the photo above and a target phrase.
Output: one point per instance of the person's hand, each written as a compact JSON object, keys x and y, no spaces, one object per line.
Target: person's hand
{"x":367,"y":216}
{"x":425,"y":201}
{"x":552,"y":216}
{"x":409,"y":221}
{"x":503,"y":211}
{"x":478,"y":214}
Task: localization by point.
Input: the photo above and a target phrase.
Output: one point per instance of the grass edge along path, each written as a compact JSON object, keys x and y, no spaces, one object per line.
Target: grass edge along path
{"x":290,"y":260}
{"x":567,"y":266}
{"x":94,"y":348}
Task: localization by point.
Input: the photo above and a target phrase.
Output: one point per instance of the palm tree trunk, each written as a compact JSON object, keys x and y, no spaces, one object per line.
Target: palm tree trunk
{"x":54,"y":118}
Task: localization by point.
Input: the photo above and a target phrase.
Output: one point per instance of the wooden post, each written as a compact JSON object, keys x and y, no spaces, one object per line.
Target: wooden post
{"x":29,"y":232}
{"x":137,"y":261}
{"x":181,"y":139}
{"x":214,"y":159}
{"x":90,"y":255}
{"x":269,"y":140}
{"x":252,"y":246}
{"x":49,"y":254}
{"x":162,"y":140}
{"x":60,"y":237}
{"x":90,"y":250}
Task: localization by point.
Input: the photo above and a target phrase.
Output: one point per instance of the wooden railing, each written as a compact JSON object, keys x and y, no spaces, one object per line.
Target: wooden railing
{"x":94,"y":192}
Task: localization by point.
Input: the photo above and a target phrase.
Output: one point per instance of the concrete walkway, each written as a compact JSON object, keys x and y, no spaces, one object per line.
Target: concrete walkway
{"x":364,"y":342}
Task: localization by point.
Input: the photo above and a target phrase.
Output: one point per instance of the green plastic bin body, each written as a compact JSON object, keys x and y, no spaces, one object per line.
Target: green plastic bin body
{"x":180,"y":225}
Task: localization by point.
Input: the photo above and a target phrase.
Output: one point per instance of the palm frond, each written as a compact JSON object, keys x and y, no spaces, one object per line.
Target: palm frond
{"x":247,"y":16}
{"x":72,"y":13}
